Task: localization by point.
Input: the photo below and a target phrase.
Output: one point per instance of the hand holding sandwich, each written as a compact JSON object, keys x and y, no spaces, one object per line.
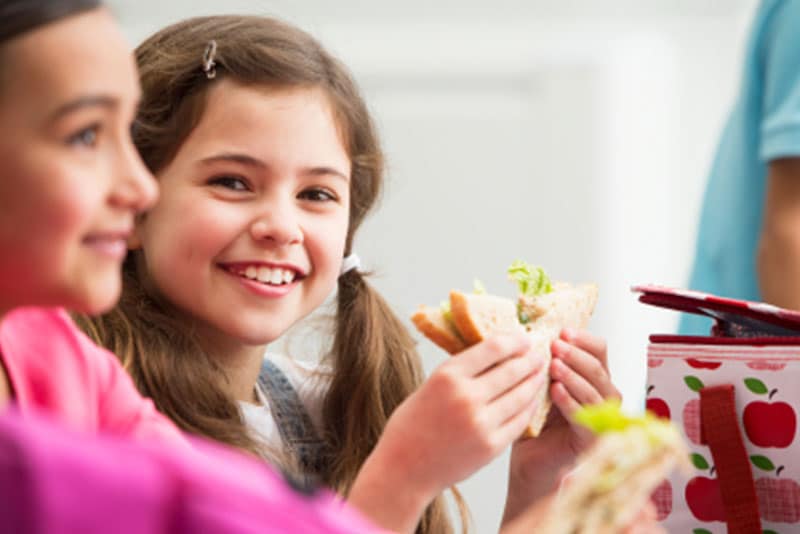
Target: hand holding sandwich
{"x":468,"y":411}
{"x":580,"y":377}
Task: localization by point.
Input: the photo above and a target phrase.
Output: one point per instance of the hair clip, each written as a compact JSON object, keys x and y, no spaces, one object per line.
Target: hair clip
{"x":209,"y":65}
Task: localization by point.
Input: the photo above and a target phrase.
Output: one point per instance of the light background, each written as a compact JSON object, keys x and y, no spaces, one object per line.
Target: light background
{"x":574,"y":134}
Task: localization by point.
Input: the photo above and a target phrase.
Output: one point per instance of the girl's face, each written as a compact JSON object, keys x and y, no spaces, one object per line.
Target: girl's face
{"x":71,"y":181}
{"x":249,"y":232}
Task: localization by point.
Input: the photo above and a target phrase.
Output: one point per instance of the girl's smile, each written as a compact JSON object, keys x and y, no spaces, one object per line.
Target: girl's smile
{"x":265,"y":279}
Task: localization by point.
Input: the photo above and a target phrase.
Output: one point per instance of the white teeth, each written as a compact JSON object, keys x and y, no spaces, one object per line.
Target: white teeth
{"x":264,"y":274}
{"x":267,"y":275}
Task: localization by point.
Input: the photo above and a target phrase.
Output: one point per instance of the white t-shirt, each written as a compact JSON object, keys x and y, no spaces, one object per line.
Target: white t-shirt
{"x":309,"y":381}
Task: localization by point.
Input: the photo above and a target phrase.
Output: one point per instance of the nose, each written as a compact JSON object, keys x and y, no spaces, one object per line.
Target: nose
{"x":277,"y":225}
{"x":136,"y":188}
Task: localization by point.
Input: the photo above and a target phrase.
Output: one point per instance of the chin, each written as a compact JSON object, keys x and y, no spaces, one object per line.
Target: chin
{"x":260,"y":338}
{"x":255,"y":334}
{"x":99,"y":300}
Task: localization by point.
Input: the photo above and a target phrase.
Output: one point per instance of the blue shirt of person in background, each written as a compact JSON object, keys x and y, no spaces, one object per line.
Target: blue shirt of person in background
{"x":764,"y":126}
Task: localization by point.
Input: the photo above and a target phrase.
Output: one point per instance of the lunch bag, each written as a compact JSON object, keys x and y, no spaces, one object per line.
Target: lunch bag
{"x":735,"y":395}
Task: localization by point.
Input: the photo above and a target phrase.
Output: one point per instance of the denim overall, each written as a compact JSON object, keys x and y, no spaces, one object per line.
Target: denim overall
{"x":292,"y":419}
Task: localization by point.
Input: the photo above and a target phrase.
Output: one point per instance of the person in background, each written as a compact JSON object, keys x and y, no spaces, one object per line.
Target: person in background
{"x":749,"y":238}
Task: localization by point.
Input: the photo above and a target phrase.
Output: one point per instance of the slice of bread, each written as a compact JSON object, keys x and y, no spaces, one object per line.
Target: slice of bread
{"x":478,"y":316}
{"x":438,"y":328}
{"x":567,"y":306}
{"x":541,"y":345}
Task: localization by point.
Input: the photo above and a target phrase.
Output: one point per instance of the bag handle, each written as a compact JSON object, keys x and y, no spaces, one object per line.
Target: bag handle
{"x":720,"y":430}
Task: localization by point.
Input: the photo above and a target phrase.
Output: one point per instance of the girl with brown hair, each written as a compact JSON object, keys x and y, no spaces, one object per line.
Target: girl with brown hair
{"x":268,"y":162}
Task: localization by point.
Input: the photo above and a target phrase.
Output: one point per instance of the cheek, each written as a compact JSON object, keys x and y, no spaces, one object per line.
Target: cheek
{"x":55,"y":203}
{"x":329,"y":243}
{"x":182,"y":238}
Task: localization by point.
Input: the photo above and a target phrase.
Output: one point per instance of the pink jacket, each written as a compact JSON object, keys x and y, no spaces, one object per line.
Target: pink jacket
{"x":55,"y":369}
{"x":68,"y":463}
{"x":53,"y":481}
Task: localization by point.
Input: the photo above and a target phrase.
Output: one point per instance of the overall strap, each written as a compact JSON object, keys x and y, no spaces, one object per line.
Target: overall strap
{"x":291,"y":417}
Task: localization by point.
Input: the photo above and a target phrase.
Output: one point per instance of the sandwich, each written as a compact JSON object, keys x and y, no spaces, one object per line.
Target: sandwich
{"x":616,"y":476}
{"x":541,"y":309}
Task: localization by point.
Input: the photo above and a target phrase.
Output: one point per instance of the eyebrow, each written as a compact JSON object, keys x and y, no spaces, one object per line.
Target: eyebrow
{"x":250,"y":161}
{"x":88,"y":101}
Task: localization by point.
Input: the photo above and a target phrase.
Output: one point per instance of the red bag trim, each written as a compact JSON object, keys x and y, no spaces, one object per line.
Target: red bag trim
{"x":712,"y":340}
{"x":720,"y":429}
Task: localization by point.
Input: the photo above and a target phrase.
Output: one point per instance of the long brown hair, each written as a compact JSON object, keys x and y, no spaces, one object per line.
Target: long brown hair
{"x":374,"y":359}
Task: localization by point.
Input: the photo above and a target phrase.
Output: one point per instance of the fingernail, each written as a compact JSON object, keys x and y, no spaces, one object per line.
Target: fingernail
{"x":559,"y":348}
{"x":556,"y":367}
{"x":568,"y":334}
{"x":524,"y":340}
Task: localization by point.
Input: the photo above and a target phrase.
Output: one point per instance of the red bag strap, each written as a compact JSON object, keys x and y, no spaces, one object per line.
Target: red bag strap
{"x":720,"y":429}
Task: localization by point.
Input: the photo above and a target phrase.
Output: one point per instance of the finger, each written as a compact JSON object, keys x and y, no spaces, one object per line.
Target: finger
{"x":587,"y":366}
{"x":577,"y":386}
{"x":565,"y":403}
{"x":478,"y":358}
{"x":505,"y":375}
{"x":592,"y":344}
{"x":516,"y":400}
{"x":513,"y":427}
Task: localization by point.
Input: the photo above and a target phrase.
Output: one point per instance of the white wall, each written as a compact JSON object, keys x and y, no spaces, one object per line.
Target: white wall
{"x":574,"y":134}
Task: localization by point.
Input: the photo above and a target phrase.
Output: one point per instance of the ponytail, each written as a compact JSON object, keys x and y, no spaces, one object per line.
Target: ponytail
{"x":376,"y":368}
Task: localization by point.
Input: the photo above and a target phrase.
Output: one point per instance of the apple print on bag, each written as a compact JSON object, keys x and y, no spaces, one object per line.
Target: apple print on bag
{"x":768,"y":424}
{"x":702,"y":493}
{"x":766,"y":365}
{"x":691,"y":411}
{"x":662,"y":499}
{"x":702,"y":364}
{"x":778,"y":498}
{"x":656,"y":406}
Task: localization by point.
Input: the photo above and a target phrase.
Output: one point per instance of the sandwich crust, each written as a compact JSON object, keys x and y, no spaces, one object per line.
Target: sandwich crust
{"x":433,"y":325}
{"x":478,"y":316}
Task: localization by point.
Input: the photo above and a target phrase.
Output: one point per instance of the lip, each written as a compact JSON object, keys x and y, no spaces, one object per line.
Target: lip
{"x":112,"y":245}
{"x":260,"y":289}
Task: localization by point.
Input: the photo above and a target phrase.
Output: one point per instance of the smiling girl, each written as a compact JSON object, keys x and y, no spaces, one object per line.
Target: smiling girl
{"x":71,"y":185}
{"x":268,"y":163}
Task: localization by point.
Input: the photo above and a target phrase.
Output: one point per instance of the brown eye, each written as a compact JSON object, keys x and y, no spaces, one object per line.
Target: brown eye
{"x":317,"y":195}
{"x":233,"y":183}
